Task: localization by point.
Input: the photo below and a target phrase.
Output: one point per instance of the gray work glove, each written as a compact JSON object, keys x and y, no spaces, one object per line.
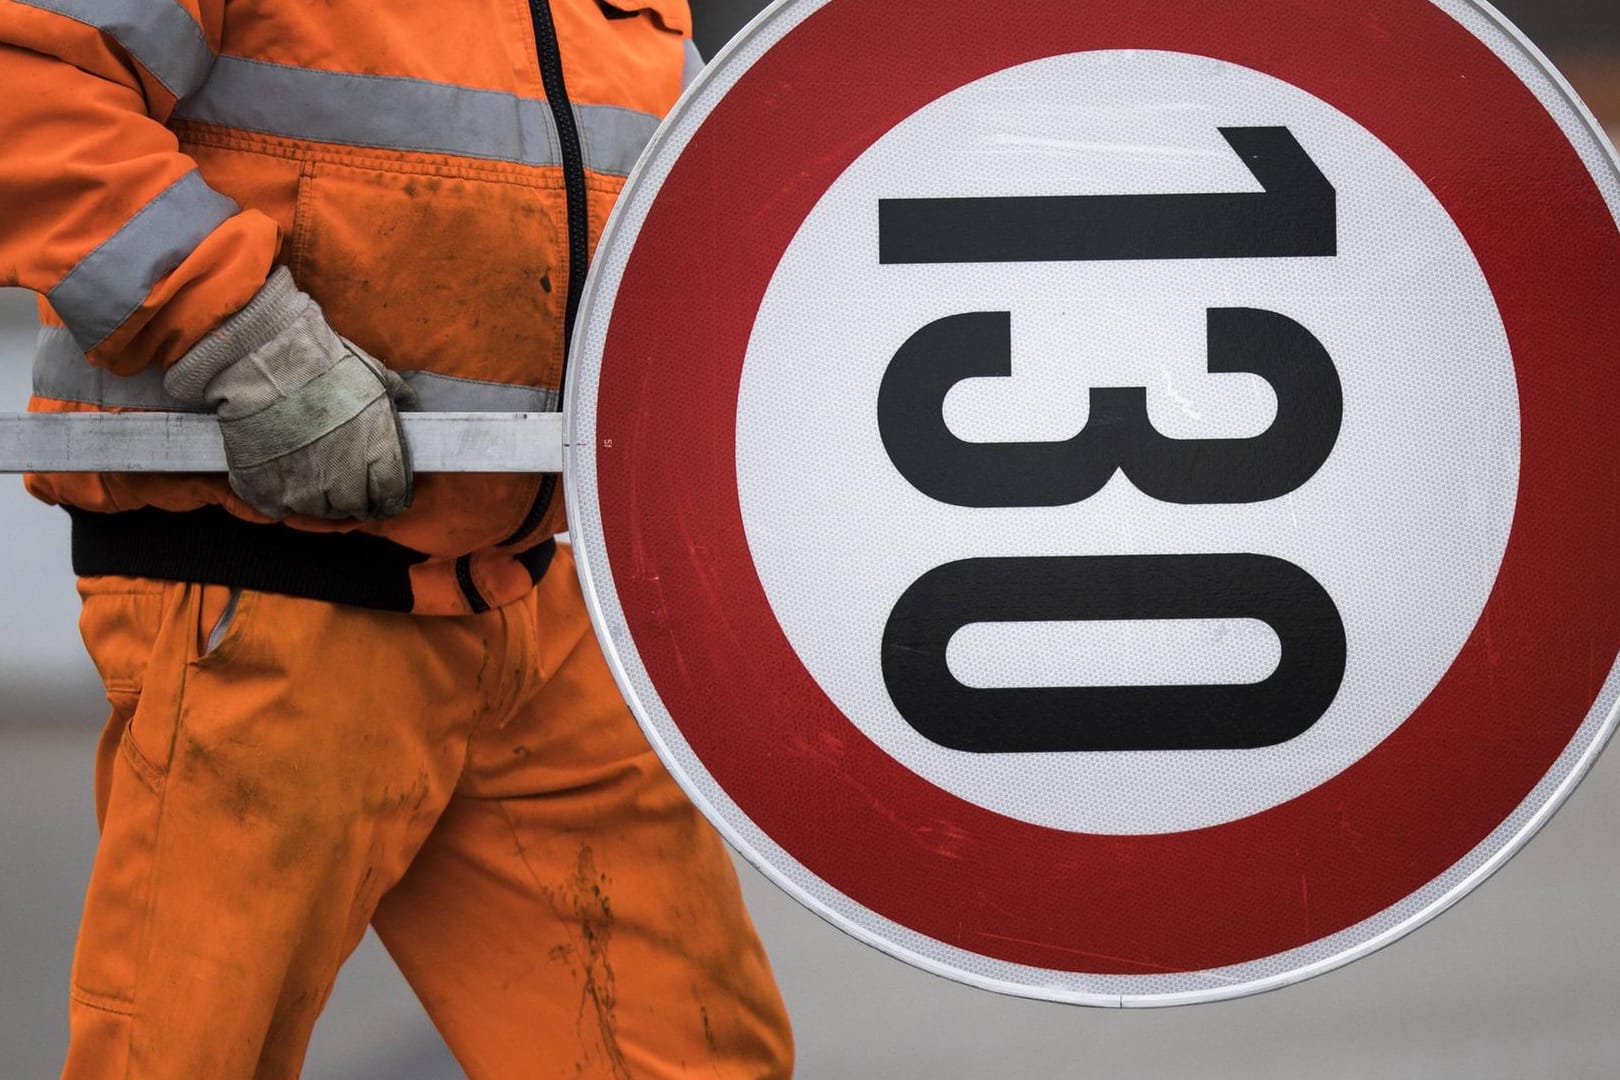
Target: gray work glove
{"x":308,"y":418}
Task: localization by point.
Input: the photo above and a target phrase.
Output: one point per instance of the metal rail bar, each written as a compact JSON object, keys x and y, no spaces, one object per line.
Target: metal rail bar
{"x":187,"y":442}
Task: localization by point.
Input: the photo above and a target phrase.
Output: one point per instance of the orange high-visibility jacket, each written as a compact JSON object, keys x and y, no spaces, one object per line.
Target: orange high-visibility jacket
{"x":434,"y":173}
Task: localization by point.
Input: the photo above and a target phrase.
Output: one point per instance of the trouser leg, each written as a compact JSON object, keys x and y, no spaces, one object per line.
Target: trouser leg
{"x":572,"y":915}
{"x":256,"y":801}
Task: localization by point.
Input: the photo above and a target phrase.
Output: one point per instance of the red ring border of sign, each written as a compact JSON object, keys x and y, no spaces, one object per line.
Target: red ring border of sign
{"x":955,"y":872}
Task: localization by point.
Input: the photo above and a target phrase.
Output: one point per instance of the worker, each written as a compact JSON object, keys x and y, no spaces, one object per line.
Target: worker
{"x":342,"y":694}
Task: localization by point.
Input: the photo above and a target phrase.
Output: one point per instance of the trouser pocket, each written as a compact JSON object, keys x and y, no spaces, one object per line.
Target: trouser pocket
{"x":142,"y":636}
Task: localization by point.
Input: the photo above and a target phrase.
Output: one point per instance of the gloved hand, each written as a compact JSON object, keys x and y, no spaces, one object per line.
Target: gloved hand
{"x":308,"y":418}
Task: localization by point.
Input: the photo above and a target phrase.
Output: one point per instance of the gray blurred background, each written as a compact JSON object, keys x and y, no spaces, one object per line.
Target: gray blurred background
{"x":1520,"y":980}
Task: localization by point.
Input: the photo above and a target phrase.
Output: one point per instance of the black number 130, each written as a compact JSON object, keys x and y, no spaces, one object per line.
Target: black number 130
{"x":1294,"y":216}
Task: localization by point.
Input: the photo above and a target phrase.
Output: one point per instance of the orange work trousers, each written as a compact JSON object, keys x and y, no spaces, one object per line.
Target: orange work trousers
{"x":473,"y":787}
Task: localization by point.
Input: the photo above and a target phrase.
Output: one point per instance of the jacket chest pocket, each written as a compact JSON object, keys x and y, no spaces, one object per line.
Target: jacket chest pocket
{"x":673,"y":16}
{"x":625,"y":53}
{"x":438,"y":272}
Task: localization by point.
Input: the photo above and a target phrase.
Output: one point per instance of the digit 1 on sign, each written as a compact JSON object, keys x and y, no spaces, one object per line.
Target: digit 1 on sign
{"x":1295,"y":216}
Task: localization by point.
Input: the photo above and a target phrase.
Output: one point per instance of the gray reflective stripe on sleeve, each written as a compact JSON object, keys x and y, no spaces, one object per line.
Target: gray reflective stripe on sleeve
{"x":160,"y":34}
{"x":398,"y":113}
{"x":62,"y":373}
{"x":109,"y":283}
{"x":692,"y":65}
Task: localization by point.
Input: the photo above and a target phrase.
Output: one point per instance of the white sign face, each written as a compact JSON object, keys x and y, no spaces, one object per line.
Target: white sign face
{"x":1089,"y":508}
{"x":1429,"y":440}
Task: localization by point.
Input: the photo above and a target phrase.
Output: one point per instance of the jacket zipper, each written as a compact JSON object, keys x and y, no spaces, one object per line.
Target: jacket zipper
{"x":573,"y":165}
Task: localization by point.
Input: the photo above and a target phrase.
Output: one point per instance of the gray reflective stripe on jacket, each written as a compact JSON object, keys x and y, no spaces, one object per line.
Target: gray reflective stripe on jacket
{"x":108,"y":284}
{"x":399,"y":113}
{"x":160,"y":34}
{"x":61,"y":372}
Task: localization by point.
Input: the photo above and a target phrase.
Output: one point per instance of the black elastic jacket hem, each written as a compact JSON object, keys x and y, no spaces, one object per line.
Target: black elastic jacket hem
{"x":214,"y":547}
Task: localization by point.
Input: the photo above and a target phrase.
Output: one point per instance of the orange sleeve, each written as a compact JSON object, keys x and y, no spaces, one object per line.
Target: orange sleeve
{"x":100,"y":212}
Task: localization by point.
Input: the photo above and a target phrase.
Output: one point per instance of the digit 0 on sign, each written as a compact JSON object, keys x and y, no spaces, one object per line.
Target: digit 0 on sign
{"x":1099,"y":587}
{"x":1295,"y":216}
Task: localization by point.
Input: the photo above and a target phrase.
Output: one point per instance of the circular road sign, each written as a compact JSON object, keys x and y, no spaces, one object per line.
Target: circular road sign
{"x":1114,"y":506}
